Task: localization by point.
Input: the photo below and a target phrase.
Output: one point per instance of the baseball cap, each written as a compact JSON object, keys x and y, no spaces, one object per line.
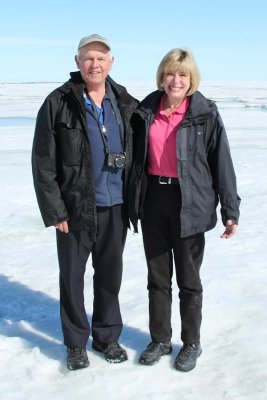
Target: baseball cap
{"x":94,"y":38}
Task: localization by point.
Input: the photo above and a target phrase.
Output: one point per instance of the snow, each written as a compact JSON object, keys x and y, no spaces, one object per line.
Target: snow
{"x":233,"y":365}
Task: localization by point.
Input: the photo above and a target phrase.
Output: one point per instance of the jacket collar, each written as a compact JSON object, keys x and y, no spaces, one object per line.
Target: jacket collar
{"x":199,"y":107}
{"x":77,"y":85}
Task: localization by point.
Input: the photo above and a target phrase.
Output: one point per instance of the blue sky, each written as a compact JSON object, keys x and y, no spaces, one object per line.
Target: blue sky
{"x":38,"y":39}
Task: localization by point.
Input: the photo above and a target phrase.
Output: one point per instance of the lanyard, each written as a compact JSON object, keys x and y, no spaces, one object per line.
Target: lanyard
{"x":100,"y":119}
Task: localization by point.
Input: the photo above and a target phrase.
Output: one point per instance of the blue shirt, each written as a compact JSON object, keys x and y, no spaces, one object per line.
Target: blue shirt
{"x":108,"y":182}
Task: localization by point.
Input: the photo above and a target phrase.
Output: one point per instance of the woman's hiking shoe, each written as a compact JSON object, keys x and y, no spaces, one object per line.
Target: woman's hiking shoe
{"x":113,"y":352}
{"x":187,"y":357}
{"x":154,"y":351}
{"x":77,"y":358}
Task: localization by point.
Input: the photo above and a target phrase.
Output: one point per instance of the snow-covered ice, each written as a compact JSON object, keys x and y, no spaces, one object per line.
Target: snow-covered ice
{"x":233,"y":365}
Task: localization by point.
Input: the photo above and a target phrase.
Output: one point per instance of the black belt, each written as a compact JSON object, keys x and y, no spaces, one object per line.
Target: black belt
{"x":164,"y":180}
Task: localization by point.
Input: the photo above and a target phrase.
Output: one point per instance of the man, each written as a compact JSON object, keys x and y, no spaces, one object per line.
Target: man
{"x":81,"y":159}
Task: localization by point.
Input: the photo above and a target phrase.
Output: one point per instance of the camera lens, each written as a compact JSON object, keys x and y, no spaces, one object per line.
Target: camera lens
{"x":119,"y":162}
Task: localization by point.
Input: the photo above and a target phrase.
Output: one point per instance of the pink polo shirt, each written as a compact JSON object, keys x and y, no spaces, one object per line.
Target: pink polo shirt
{"x":162,"y":158}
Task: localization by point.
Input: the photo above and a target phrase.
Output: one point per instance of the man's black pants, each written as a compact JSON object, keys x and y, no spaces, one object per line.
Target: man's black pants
{"x":74,"y":249}
{"x":162,"y":244}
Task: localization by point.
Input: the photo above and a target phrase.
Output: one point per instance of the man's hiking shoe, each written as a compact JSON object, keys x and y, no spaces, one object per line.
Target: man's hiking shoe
{"x":113,"y":352}
{"x":154,"y":351}
{"x":77,"y":358}
{"x":187,"y":357}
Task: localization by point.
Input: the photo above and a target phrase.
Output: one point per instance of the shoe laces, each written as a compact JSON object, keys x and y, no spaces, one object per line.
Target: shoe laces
{"x":76,"y":351}
{"x":113,"y":345}
{"x":152,"y":346}
{"x":113,"y":348}
{"x":186,"y":350}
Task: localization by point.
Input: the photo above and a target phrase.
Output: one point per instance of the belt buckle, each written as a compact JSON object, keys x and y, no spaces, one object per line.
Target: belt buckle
{"x":165,"y":183}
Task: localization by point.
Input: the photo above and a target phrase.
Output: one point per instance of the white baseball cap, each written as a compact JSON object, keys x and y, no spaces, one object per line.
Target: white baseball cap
{"x":93,"y":38}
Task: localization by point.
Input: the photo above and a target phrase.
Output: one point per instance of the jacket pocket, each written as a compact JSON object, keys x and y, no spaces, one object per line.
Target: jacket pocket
{"x":195,"y":138}
{"x":70,"y":145}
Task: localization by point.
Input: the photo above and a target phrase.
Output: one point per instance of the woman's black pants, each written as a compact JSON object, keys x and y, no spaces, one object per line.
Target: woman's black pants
{"x":163,"y":244}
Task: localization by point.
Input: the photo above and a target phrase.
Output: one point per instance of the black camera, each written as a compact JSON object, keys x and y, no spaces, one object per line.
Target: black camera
{"x":116,"y":160}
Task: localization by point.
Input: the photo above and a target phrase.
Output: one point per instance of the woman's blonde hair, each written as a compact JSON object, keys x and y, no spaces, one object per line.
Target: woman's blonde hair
{"x":179,"y":60}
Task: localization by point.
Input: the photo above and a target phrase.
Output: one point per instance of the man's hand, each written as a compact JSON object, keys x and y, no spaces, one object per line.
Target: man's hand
{"x":63,"y":226}
{"x":230,"y":229}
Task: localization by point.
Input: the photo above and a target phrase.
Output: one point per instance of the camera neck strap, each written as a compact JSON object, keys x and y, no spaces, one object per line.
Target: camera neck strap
{"x":99,"y":116}
{"x":98,"y":113}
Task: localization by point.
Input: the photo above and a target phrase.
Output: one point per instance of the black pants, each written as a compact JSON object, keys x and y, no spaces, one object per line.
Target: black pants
{"x":74,"y":249}
{"x":162,"y":244}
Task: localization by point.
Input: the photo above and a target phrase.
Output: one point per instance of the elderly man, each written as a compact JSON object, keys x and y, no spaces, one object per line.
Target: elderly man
{"x":81,"y":159}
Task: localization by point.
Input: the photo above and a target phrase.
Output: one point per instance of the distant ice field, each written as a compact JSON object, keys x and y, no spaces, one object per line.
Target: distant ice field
{"x":233,"y":364}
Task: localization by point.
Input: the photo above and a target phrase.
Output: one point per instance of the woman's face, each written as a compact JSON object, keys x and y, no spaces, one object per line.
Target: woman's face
{"x":176,"y":85}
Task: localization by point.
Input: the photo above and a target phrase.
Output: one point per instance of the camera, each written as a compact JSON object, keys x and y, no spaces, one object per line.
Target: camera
{"x":115,"y":160}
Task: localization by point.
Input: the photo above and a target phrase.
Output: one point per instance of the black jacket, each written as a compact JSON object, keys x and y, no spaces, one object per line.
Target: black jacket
{"x":205,"y":168}
{"x":61,"y":156}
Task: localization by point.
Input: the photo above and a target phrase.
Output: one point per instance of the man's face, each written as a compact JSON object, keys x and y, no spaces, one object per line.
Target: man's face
{"x":94,"y":62}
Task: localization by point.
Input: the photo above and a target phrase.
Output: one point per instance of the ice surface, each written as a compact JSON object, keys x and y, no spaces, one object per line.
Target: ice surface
{"x":233,"y":365}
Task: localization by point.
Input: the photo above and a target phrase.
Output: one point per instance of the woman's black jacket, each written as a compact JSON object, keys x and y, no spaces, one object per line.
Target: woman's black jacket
{"x":61,"y":156}
{"x":205,"y":167}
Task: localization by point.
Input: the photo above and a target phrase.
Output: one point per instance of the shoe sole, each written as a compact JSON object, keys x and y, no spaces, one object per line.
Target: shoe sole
{"x":116,"y":361}
{"x":192,"y":366}
{"x":143,"y":362}
{"x":111,"y":361}
{"x":78,"y":367}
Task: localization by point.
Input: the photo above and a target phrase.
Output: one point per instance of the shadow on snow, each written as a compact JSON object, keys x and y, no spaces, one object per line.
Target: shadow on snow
{"x":34,"y":316}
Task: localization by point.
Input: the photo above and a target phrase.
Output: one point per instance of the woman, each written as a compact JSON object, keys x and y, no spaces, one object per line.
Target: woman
{"x":182,"y":168}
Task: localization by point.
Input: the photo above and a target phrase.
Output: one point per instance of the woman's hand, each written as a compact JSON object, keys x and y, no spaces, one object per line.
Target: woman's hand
{"x":230,"y":229}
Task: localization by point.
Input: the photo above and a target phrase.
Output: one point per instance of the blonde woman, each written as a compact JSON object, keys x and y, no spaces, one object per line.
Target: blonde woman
{"x":182,"y":169}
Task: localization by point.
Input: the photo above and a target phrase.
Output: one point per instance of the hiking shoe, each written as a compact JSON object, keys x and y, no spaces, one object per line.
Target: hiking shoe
{"x":187,"y":357}
{"x":154,"y":351}
{"x":113,"y":352}
{"x":77,"y":358}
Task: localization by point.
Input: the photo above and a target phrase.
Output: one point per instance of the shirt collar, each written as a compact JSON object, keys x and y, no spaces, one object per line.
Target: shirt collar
{"x":106,"y":97}
{"x":180,"y":110}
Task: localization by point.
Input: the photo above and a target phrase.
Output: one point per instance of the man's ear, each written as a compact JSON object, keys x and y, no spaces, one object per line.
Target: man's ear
{"x":77,"y":61}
